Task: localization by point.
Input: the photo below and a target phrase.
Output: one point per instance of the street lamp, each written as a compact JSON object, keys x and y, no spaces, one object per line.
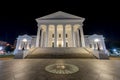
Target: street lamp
{"x":96,"y":41}
{"x":24,"y":41}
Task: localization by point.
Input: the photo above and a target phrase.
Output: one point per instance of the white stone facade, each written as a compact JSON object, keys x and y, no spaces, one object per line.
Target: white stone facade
{"x":25,"y":42}
{"x":60,"y":30}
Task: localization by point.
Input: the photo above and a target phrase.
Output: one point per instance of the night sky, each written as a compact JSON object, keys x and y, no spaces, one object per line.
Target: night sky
{"x":100,"y":18}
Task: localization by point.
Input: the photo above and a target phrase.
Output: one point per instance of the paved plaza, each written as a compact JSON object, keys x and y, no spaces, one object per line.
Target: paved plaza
{"x":34,"y":69}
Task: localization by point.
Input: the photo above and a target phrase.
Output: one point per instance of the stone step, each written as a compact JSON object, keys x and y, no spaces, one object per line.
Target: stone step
{"x":59,"y":53}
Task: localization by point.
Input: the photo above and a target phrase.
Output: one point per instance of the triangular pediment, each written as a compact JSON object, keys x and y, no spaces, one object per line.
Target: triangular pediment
{"x":59,"y":15}
{"x":25,"y":36}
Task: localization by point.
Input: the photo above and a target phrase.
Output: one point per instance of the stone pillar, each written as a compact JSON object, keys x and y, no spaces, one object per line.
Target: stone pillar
{"x":17,"y":44}
{"x":72,"y":29}
{"x":78,"y":38}
{"x":64,"y":36}
{"x":103,"y":44}
{"x":20,"y":45}
{"x":47,"y":31}
{"x":82,"y":36}
{"x":41,"y":38}
{"x":38,"y":37}
{"x":28,"y":47}
{"x":55,"y":34}
{"x":74,"y":38}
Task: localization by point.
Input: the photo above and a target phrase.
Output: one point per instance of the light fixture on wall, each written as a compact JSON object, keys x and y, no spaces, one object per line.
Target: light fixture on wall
{"x":24,"y":40}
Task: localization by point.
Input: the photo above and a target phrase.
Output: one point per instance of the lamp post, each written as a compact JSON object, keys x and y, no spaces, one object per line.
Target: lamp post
{"x":24,"y":41}
{"x":97,"y":42}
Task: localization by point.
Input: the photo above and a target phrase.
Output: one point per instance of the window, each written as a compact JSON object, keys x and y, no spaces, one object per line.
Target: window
{"x":66,"y":44}
{"x":66,"y":35}
{"x":52,"y":35}
{"x":52,"y":44}
{"x":90,"y":45}
{"x":59,"y":35}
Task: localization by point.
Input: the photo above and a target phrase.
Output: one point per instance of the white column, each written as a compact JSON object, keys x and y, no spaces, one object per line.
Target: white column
{"x":82,"y":36}
{"x":78,"y":38}
{"x":18,"y":43}
{"x":28,"y":47}
{"x":64,"y":36}
{"x":103,"y":44}
{"x":47,"y":31}
{"x":41,"y":38}
{"x":55,"y":34}
{"x":72,"y":29}
{"x":74,"y":38}
{"x":38,"y":37}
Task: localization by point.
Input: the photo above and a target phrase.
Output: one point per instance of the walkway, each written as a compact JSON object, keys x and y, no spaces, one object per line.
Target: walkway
{"x":34,"y":69}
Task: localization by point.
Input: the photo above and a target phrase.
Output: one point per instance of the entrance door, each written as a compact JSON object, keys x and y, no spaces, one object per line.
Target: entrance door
{"x":59,"y":45}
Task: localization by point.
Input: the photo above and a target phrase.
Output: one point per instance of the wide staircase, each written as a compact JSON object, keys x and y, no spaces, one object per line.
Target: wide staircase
{"x":59,"y":53}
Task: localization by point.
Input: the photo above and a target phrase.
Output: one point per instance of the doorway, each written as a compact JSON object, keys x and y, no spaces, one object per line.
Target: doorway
{"x":59,"y":45}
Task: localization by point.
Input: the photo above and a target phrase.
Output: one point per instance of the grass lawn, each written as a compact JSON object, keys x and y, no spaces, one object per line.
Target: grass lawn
{"x":6,"y":57}
{"x":114,"y":57}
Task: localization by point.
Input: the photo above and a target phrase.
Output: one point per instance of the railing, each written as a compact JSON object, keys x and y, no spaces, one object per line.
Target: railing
{"x":25,"y":53}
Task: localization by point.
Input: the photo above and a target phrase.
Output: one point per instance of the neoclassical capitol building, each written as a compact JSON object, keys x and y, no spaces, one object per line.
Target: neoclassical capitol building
{"x":59,"y":34}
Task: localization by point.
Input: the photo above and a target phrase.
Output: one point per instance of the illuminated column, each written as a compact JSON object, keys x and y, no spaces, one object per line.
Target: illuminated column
{"x":72,"y":29}
{"x":64,"y":36}
{"x":18,"y":43}
{"x":78,"y":38}
{"x":47,"y":31}
{"x":38,"y":37}
{"x":41,"y":38}
{"x":28,"y":47}
{"x":103,"y":44}
{"x":82,"y":36}
{"x":55,"y":40}
{"x":74,"y":38}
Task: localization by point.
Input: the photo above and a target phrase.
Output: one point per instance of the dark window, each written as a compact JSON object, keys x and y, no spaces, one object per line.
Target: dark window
{"x":59,"y":35}
{"x":52,"y":35}
{"x":66,"y":35}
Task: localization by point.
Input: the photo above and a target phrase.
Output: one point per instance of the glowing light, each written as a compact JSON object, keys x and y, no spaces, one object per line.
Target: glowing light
{"x":114,"y":50}
{"x":96,"y":40}
{"x":1,"y":47}
{"x":8,"y":44}
{"x":24,"y":40}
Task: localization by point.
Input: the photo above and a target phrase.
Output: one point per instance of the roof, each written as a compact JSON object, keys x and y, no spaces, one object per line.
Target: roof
{"x":60,"y":16}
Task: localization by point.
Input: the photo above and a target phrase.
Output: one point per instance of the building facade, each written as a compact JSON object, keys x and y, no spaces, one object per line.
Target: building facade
{"x":60,"y":29}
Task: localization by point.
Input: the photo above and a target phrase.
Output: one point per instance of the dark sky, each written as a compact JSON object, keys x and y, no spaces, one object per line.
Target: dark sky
{"x":19,"y":18}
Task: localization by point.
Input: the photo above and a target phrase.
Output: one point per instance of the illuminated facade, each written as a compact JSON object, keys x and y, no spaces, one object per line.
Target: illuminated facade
{"x":60,"y":30}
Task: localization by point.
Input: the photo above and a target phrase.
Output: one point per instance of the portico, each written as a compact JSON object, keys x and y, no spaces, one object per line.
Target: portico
{"x":54,"y":32}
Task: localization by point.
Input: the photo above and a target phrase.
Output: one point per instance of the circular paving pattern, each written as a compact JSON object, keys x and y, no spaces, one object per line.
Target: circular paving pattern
{"x":62,"y":68}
